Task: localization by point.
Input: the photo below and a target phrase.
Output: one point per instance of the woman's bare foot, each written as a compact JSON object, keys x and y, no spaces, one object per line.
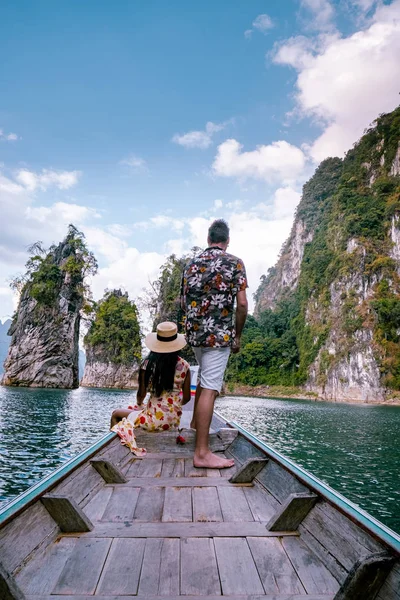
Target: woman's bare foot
{"x":212,"y":461}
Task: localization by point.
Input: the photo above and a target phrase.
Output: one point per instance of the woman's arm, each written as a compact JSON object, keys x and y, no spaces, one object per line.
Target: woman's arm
{"x":186,"y":389}
{"x":141,"y":393}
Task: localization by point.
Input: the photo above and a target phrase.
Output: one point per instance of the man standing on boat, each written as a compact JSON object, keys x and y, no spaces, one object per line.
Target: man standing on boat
{"x":211,"y":283}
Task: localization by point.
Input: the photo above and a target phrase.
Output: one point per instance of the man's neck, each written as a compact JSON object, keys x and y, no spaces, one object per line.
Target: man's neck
{"x":219,"y":246}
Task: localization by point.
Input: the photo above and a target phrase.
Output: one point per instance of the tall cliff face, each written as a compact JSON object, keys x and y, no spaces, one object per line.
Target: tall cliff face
{"x":346,"y":285}
{"x":43,"y":351}
{"x":113,"y":344}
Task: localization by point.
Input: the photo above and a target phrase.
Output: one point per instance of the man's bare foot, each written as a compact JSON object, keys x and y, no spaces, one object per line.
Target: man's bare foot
{"x":212,"y":461}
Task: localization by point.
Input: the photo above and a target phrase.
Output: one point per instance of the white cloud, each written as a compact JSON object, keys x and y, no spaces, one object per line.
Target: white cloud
{"x":135,"y":162}
{"x":262,"y":23}
{"x":279,"y":161}
{"x":218,"y":204}
{"x":199,"y":139}
{"x":63,"y":180}
{"x":320,"y":14}
{"x":9,"y":137}
{"x":347,"y":82}
{"x":61,"y":211}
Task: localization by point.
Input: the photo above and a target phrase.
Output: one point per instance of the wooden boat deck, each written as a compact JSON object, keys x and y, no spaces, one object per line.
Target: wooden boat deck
{"x":172,"y":530}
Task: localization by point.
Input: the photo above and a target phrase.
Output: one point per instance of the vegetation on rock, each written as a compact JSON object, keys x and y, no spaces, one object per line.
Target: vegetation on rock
{"x":114,"y":334}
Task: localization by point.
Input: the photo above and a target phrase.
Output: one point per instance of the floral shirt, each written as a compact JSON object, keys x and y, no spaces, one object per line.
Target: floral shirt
{"x":210,"y":284}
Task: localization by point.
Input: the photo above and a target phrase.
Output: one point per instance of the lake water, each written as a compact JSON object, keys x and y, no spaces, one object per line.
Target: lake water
{"x":353,"y":448}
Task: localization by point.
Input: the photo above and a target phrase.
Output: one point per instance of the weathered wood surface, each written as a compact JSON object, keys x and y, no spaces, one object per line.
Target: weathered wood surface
{"x":9,"y":589}
{"x":237,"y":570}
{"x":43,"y":571}
{"x":248,"y":470}
{"x":174,"y":530}
{"x":83,"y":568}
{"x":197,"y":597}
{"x":366,"y":578}
{"x":149,"y":482}
{"x":122,"y":568}
{"x":121,"y":505}
{"x":292,"y":512}
{"x":274,"y":567}
{"x":391,"y":588}
{"x":109,"y":472}
{"x":168,"y":530}
{"x":66,"y":513}
{"x":199,"y":573}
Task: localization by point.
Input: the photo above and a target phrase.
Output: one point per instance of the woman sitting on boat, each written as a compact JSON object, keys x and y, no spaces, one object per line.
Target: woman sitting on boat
{"x":164,"y":374}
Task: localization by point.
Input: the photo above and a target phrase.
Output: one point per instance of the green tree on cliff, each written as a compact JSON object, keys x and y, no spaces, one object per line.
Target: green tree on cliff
{"x":115,"y":329}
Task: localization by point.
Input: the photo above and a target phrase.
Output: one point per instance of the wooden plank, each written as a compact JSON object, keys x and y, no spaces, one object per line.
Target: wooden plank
{"x":227,"y":435}
{"x":314,"y":576}
{"x":150,"y":575}
{"x":366,"y":577}
{"x":206,"y":505}
{"x":248,"y":470}
{"x":82,"y":570}
{"x":242,"y":449}
{"x":183,"y":482}
{"x":150,"y":467}
{"x":261,"y":503}
{"x":177,"y":505}
{"x":199,"y":571}
{"x":96,"y":507}
{"x":169,"y":584}
{"x":121,"y":506}
{"x":344,"y":548}
{"x":333,"y":566}
{"x":391,"y":588}
{"x":179,"y":469}
{"x":9,"y":589}
{"x":167,"y":530}
{"x":233,"y":504}
{"x":213,"y":472}
{"x":122,"y":568}
{"x":150,"y":504}
{"x":66,"y":513}
{"x":168,"y":465}
{"x":351,"y":530}
{"x":133,"y":468}
{"x":109,"y":472}
{"x":156,"y":597}
{"x":274,"y":568}
{"x":191,"y":471}
{"x":81,"y":486}
{"x":292,"y":512}
{"x":24,"y":534}
{"x":237,"y":571}
{"x":279,"y":482}
{"x":41,"y":573}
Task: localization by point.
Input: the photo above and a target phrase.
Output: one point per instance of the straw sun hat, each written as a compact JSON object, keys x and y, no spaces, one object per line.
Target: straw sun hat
{"x":166,"y":338}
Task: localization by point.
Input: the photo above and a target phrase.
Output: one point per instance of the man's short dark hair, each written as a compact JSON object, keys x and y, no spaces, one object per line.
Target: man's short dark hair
{"x":218,"y":232}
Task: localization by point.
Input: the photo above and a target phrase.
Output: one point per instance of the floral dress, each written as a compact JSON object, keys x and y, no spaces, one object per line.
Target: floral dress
{"x":162,"y":413}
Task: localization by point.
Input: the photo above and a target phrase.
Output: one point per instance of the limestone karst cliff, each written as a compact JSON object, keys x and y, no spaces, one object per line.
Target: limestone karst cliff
{"x":113,"y":344}
{"x":43,"y":351}
{"x":339,"y":272}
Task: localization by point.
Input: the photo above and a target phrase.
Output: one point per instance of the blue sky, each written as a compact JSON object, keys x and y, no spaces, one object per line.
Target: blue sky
{"x":104,"y":109}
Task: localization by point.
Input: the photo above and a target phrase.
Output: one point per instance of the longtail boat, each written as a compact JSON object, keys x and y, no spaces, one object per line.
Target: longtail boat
{"x":110,"y":525}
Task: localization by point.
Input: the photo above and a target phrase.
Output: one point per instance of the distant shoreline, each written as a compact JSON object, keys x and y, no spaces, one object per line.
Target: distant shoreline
{"x":293,"y":393}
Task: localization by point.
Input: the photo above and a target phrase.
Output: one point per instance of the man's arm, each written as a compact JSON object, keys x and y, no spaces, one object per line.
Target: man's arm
{"x":241,"y":314}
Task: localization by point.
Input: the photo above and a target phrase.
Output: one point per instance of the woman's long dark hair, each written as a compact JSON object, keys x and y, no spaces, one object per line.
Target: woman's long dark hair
{"x":160,"y":372}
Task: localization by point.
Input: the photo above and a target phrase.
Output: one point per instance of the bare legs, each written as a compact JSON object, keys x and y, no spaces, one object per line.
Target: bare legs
{"x":196,"y":399}
{"x":202,"y":415}
{"x":118,"y":414}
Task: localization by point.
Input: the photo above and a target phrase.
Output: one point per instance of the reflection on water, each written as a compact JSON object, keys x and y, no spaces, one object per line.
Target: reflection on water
{"x":355,"y":449}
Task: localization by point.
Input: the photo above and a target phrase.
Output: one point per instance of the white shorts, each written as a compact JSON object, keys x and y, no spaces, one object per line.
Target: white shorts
{"x":212,"y":365}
